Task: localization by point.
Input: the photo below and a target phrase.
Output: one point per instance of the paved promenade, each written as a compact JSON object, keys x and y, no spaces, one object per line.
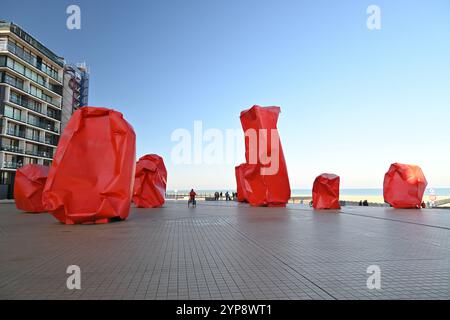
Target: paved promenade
{"x":229,"y":251}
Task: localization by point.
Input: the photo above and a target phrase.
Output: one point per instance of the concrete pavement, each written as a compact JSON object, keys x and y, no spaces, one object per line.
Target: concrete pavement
{"x":229,"y":251}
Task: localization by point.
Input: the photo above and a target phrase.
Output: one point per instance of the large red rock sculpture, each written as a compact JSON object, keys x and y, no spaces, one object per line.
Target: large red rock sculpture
{"x":263,"y":180}
{"x":28,"y":186}
{"x":150,"y":182}
{"x":326,"y":192}
{"x":404,"y":186}
{"x":92,"y":175}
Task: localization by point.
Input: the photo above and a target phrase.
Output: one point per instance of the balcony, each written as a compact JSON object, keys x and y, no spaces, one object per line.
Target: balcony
{"x":25,"y":56}
{"x":39,"y":153}
{"x":57,"y":89}
{"x":12,"y":164}
{"x":51,"y":141}
{"x":26,"y":104}
{"x":11,"y":81}
{"x":34,"y":138}
{"x":16,"y":133}
{"x":10,"y":148}
{"x":16,"y":117}
{"x":44,"y":125}
{"x":53,"y":114}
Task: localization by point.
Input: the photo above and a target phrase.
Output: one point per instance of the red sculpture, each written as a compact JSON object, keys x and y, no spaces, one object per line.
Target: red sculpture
{"x":404,"y":186}
{"x":326,"y":192}
{"x":28,"y":186}
{"x":92,"y":175}
{"x":150,"y":182}
{"x":240,"y":183}
{"x":263,"y":180}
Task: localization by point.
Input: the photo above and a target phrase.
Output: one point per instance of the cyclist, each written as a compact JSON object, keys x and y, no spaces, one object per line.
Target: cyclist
{"x":192,"y":200}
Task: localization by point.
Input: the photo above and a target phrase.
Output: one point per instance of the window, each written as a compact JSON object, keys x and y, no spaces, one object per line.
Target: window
{"x":13,"y":113}
{"x":14,"y":97}
{"x":34,"y":105}
{"x":33,"y":134}
{"x":32,"y":119}
{"x":10,"y":63}
{"x":14,"y":129}
{"x":31,"y":149}
{"x":13,"y":81}
{"x":13,"y":161}
{"x":51,"y":139}
{"x":10,"y":145}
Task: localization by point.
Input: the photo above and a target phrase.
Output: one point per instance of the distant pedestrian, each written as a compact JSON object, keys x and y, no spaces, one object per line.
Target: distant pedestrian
{"x":227,"y":196}
{"x":365,"y":203}
{"x":192,"y":200}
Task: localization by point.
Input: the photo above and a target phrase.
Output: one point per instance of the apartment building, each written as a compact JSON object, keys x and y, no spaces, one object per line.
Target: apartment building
{"x":31,"y":89}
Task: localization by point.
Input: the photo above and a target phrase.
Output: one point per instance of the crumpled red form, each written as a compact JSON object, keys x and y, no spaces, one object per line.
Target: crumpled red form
{"x":263,"y":180}
{"x":326,"y":192}
{"x":150,"y":182}
{"x":240,"y":182}
{"x":28,"y":186}
{"x":404,"y":186}
{"x":92,"y":174}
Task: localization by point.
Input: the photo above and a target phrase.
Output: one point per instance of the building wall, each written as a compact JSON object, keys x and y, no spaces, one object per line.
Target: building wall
{"x":30,"y":103}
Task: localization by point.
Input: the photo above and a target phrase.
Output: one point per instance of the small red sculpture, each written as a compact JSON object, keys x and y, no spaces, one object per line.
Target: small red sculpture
{"x":326,"y":192}
{"x":404,"y":186}
{"x":150,"y":182}
{"x":28,"y":186}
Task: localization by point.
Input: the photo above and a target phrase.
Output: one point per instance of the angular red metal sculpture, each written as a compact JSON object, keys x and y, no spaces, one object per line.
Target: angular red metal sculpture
{"x":404,"y":186}
{"x":150,"y":182}
{"x":263,"y":180}
{"x":326,"y":192}
{"x":92,"y":175}
{"x":28,"y":186}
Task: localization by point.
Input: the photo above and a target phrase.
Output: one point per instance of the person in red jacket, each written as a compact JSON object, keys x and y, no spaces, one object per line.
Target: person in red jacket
{"x":192,"y":200}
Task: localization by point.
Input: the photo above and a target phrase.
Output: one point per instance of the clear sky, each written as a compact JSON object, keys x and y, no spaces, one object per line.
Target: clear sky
{"x":353,"y":100}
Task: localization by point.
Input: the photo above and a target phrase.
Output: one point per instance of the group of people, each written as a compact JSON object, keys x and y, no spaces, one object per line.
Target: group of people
{"x":217,"y":196}
{"x":364,"y":203}
{"x":228,"y":197}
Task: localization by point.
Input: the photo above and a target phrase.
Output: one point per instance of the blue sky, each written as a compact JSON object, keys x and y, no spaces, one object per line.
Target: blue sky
{"x":353,"y":100}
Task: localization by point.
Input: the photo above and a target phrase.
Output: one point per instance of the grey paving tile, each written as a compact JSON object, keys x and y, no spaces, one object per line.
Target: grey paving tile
{"x":231,"y":251}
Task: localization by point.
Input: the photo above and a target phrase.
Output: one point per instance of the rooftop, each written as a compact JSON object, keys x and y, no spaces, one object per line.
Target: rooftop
{"x":32,"y":41}
{"x":222,"y":250}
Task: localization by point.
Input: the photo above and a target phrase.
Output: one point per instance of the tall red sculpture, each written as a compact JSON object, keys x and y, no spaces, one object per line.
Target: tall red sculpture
{"x":326,"y":192}
{"x":92,"y":175}
{"x":263,"y":180}
{"x":28,"y":186}
{"x":150,"y":182}
{"x":404,"y":186}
